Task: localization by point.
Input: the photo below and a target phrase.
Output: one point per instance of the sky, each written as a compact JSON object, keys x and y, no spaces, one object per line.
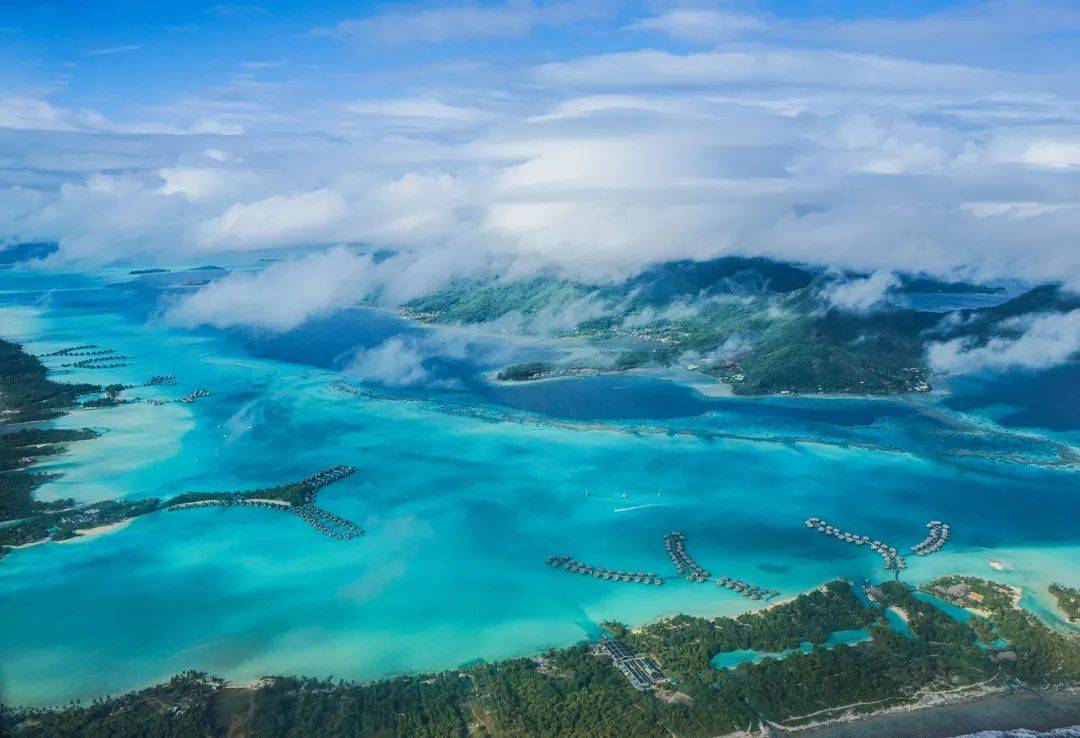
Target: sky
{"x":588,"y":139}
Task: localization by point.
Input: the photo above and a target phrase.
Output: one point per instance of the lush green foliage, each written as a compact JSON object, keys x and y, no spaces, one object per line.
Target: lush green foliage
{"x":27,"y":393}
{"x":1068,"y":599}
{"x":571,"y":692}
{"x":761,"y":326}
{"x":520,"y":372}
{"x":179,"y":709}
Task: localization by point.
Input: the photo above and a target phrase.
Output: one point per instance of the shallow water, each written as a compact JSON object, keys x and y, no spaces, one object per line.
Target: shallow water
{"x":731,"y":659}
{"x":464,"y":490}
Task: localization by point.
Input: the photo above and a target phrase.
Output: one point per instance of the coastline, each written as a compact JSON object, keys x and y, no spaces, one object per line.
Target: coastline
{"x":98,"y":531}
{"x":996,"y":710}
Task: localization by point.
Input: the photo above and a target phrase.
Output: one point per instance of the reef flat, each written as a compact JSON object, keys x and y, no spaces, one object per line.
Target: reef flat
{"x":580,"y":691}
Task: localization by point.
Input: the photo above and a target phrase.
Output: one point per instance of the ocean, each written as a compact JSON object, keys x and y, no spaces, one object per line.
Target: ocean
{"x":464,"y":489}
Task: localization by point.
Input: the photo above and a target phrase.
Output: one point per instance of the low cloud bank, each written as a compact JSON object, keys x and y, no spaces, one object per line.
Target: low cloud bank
{"x":280,"y":297}
{"x":1045,"y":341}
{"x":398,"y":362}
{"x":426,"y":359}
{"x":862,"y":294}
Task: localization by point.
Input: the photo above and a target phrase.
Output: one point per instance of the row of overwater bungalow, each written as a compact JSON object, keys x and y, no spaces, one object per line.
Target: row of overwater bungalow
{"x":893,"y":560}
{"x":675,"y":543}
{"x":752,"y":591}
{"x":577,"y":567}
{"x":938,"y":537}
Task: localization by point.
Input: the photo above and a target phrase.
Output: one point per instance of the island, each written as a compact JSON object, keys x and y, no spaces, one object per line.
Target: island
{"x":294,"y":497}
{"x":28,"y":397}
{"x":826,"y":656}
{"x":763,"y":327}
{"x":39,"y":522}
{"x":1068,"y":601}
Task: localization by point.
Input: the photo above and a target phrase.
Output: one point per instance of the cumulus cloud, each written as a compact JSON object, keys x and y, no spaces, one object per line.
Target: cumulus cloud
{"x":280,"y":297}
{"x":427,"y":358}
{"x":860,"y":294}
{"x":279,"y":220}
{"x":464,"y":22}
{"x":876,"y":156}
{"x":700,"y":24}
{"x":397,"y":363}
{"x":1043,"y":341}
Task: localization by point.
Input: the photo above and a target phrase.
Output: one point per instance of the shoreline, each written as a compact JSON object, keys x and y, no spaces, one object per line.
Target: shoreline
{"x":996,"y":710}
{"x":98,"y":530}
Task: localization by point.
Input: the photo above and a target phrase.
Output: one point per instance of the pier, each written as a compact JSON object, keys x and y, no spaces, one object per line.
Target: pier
{"x":160,"y":380}
{"x":112,"y":361}
{"x":675,"y":543}
{"x":613,"y":575}
{"x":87,"y":349}
{"x":190,"y":398}
{"x":295,"y":497}
{"x":327,"y":523}
{"x":893,"y":561}
{"x":935,"y":540}
{"x":746,"y":589}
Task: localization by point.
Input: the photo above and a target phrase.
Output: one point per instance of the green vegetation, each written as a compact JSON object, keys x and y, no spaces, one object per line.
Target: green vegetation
{"x":522,"y":372}
{"x":761,"y":326}
{"x":177,"y":709}
{"x":296,"y":494}
{"x":154,"y":270}
{"x":1041,"y":654}
{"x":27,"y":393}
{"x":572,"y":692}
{"x":59,"y":520}
{"x":684,"y":644}
{"x":1068,"y":599}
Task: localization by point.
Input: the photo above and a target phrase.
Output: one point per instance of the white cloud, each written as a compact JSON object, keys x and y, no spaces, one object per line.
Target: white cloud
{"x":464,"y":22}
{"x":396,"y":362}
{"x":787,"y":67}
{"x":700,"y":24}
{"x":591,"y":165}
{"x":109,"y":51}
{"x":281,"y":297}
{"x":1054,"y":154}
{"x":1045,"y":340}
{"x":198,"y":183}
{"x":280,"y":220}
{"x":417,"y":107}
{"x":861,"y":294}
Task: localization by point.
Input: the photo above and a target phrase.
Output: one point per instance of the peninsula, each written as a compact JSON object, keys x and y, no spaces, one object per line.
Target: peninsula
{"x":653,"y":681}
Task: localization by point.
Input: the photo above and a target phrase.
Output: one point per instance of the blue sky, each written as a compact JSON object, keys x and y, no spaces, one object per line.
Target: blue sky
{"x":117,"y":56}
{"x":584,"y":138}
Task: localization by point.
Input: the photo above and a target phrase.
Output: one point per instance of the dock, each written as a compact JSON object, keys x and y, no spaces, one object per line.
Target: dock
{"x":675,"y":543}
{"x":893,"y":560}
{"x":935,"y":539}
{"x":613,"y":575}
{"x":112,"y":361}
{"x":746,"y":589}
{"x":191,"y":397}
{"x":324,"y":521}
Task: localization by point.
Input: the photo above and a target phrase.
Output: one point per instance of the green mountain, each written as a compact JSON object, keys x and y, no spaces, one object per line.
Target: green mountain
{"x":764,"y":327}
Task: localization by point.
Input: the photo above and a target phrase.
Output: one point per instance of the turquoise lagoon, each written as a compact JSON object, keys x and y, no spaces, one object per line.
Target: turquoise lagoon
{"x":731,"y":659}
{"x":463,"y":491}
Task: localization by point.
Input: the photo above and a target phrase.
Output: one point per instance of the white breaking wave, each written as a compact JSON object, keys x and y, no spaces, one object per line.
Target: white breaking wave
{"x":641,"y":507}
{"x":1071,"y":732}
